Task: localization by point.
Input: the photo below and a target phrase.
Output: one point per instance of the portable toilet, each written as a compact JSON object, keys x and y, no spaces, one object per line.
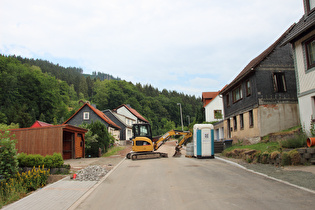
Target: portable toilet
{"x":203,"y":139}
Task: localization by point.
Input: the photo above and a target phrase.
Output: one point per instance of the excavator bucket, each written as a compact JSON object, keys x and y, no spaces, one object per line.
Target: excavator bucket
{"x":177,"y":151}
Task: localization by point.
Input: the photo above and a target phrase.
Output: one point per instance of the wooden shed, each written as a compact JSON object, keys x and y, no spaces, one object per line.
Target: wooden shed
{"x":65,"y":139}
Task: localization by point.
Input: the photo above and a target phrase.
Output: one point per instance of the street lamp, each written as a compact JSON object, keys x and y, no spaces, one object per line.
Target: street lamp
{"x":181,"y":115}
{"x":188,"y":119}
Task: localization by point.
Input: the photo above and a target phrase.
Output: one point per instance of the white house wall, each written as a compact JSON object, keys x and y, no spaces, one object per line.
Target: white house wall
{"x":305,"y":83}
{"x":124,"y":111}
{"x":215,"y":104}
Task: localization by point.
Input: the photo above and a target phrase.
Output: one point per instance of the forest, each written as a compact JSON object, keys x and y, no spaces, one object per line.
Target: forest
{"x":33,"y":90}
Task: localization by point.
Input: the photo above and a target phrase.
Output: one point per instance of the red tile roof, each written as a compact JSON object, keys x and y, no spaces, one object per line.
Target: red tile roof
{"x":99,"y":113}
{"x":134,"y":112}
{"x":256,"y":61}
{"x":207,"y":97}
{"x":40,"y":124}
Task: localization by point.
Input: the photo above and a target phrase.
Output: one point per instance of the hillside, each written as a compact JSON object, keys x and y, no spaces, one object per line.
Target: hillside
{"x":39,"y":90}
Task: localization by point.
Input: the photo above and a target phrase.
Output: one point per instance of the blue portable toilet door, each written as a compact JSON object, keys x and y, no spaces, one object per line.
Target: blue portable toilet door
{"x":199,"y":149}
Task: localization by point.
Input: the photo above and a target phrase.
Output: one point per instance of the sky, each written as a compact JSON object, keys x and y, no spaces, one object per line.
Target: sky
{"x":190,"y":46}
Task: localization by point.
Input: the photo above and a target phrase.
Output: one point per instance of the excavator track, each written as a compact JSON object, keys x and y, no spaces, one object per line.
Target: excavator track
{"x":145,"y":155}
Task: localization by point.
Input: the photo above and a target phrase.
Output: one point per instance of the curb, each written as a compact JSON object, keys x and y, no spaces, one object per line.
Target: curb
{"x":266,"y":176}
{"x":83,"y":197}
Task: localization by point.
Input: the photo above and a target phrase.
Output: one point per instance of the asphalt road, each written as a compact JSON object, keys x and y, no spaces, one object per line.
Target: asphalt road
{"x":188,"y":183}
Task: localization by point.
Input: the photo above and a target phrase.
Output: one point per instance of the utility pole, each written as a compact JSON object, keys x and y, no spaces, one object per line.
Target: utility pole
{"x":181,"y":115}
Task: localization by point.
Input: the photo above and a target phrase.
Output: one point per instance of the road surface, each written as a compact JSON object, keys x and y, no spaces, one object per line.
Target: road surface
{"x":189,"y":183}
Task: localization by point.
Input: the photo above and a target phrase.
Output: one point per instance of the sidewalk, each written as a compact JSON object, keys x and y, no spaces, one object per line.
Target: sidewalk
{"x":59,"y":195}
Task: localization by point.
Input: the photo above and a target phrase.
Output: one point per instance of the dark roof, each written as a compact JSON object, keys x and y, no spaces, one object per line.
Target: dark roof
{"x":133,"y":111}
{"x":256,"y":61}
{"x":109,"y":113}
{"x":305,"y":24}
{"x":99,"y":113}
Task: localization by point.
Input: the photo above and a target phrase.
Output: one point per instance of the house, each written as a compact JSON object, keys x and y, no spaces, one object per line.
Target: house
{"x":38,"y":123}
{"x":123,"y":122}
{"x":131,"y":113}
{"x":262,"y":98}
{"x":302,"y":39}
{"x":67,"y":140}
{"x":88,"y":113}
{"x":213,"y":105}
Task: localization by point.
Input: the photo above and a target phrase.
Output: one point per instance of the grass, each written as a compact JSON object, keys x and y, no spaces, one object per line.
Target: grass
{"x":262,"y":147}
{"x":113,"y":151}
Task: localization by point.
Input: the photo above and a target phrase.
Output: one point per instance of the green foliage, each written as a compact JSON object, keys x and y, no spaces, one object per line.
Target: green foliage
{"x":18,"y":186}
{"x":312,"y":128}
{"x":113,"y":151}
{"x":285,"y":159}
{"x":35,"y":160}
{"x":39,"y":90}
{"x":299,"y":140}
{"x":7,"y":127}
{"x":8,"y":159}
{"x":96,"y":138}
{"x":295,"y":157}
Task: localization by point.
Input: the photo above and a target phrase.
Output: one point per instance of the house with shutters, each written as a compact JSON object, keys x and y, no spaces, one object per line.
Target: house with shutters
{"x":88,"y":113}
{"x":130,"y":113}
{"x":262,"y":99}
{"x":302,"y":39}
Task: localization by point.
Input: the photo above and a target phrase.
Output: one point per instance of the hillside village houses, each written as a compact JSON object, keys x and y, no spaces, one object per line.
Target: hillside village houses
{"x":262,"y":98}
{"x":118,"y":121}
{"x":302,"y":39}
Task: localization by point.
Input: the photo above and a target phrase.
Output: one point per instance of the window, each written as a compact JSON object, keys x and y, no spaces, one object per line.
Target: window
{"x":217,"y":114}
{"x":237,"y":94}
{"x":279,"y":82}
{"x":241,"y":121}
{"x":251,"y":118}
{"x":86,"y":115}
{"x":310,"y":52}
{"x":227,"y":99}
{"x":235,"y":123}
{"x":248,"y":88}
{"x":310,"y":4}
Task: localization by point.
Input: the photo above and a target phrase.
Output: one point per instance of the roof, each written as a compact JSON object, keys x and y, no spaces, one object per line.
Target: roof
{"x":210,"y":96}
{"x":256,"y":61}
{"x":99,"y":113}
{"x":40,"y":124}
{"x":306,"y":23}
{"x":133,"y":111}
{"x":63,"y":126}
{"x":114,"y":114}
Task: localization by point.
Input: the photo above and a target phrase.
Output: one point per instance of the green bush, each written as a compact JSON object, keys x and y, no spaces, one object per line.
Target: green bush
{"x":285,"y":159}
{"x":295,"y":157}
{"x":35,"y":160}
{"x":8,"y":158}
{"x":299,"y":140}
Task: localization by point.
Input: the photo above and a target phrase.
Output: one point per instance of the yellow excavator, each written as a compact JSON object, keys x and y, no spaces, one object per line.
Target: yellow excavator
{"x":144,"y":145}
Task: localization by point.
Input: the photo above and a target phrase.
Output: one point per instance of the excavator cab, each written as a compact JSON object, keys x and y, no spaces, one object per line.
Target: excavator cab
{"x":142,"y":137}
{"x":142,"y":130}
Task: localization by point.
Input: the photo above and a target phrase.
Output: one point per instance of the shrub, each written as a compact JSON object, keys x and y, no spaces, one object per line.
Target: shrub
{"x":295,"y":157}
{"x":274,"y":155}
{"x":264,"y":159}
{"x":49,"y":161}
{"x":8,"y":157}
{"x":285,"y":159}
{"x":299,"y":140}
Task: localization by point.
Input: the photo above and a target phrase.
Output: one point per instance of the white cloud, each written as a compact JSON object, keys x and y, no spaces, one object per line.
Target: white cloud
{"x":161,"y":42}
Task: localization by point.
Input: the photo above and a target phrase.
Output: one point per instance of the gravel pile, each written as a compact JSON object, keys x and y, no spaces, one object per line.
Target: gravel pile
{"x":91,"y":173}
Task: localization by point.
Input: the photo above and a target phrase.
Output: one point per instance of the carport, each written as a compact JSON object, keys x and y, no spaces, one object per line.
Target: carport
{"x":67,"y":140}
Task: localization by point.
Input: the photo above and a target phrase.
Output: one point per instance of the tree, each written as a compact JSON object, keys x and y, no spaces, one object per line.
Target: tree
{"x":8,"y":156}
